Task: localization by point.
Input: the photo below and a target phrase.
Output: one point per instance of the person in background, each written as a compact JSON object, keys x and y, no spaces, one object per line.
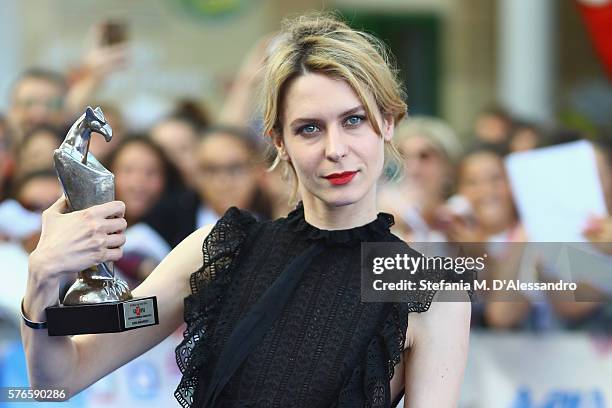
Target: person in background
{"x":35,"y":152}
{"x":230,"y":168}
{"x":20,"y":211}
{"x":274,"y":185}
{"x":41,"y":96}
{"x":482,"y":180}
{"x":430,"y":148}
{"x":492,"y":127}
{"x":33,"y":192}
{"x":178,"y":137}
{"x":6,"y":159}
{"x":491,"y":219}
{"x":142,"y":175}
{"x":107,"y":52}
{"x":239,"y":106}
{"x":37,"y":98}
{"x":100,"y":148}
{"x":140,"y":170}
{"x":595,"y":314}
{"x":4,"y":130}
{"x":524,"y":136}
{"x":598,"y":228}
{"x":239,"y":110}
{"x":194,"y":112}
{"x":229,"y":172}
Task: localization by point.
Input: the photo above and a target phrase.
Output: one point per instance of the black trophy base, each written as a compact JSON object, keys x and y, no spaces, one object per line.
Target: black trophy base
{"x":110,"y":317}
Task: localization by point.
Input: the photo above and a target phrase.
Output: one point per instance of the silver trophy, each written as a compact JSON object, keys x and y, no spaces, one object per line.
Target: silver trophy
{"x":92,"y":303}
{"x":87,"y":183}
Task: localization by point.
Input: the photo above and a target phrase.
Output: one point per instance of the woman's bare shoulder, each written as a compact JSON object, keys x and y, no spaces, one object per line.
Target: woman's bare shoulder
{"x":189,"y":252}
{"x":437,"y":353}
{"x":441,"y":319}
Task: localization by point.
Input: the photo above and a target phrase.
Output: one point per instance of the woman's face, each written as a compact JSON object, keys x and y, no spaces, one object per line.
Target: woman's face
{"x":524,"y":139}
{"x":139,"y":179}
{"x":337,"y":155}
{"x":38,"y":152}
{"x":226,"y":173}
{"x":491,"y":128}
{"x":483,"y":181}
{"x":427,"y":171}
{"x":39,"y":193}
{"x":179,"y":141}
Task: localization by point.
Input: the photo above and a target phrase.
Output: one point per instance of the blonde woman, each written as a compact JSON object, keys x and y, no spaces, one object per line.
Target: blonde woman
{"x":430,"y":150}
{"x":273,"y":310}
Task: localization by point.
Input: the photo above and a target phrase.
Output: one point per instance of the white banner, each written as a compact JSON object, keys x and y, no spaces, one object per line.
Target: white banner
{"x":561,"y":370}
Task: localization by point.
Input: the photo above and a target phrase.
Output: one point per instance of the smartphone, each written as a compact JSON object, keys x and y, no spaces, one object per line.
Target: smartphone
{"x":114,"y":32}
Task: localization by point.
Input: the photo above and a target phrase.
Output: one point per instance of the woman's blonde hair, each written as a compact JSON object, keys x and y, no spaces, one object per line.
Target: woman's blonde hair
{"x":436,"y":131}
{"x":322,"y":43}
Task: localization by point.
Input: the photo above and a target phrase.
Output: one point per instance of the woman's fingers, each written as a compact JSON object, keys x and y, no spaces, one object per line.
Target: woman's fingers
{"x":113,"y":254}
{"x":115,"y":240}
{"x":83,"y":238}
{"x":113,"y":225}
{"x":113,"y":209}
{"x":60,"y":206}
{"x":592,"y":226}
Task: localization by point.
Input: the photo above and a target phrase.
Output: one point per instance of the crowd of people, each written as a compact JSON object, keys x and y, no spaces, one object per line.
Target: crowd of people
{"x":190,"y":167}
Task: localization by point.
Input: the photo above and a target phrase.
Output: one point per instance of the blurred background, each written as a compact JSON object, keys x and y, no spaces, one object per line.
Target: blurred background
{"x":508,"y":140}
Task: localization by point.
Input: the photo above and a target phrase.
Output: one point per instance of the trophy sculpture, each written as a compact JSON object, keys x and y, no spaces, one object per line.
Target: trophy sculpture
{"x":99,"y":301}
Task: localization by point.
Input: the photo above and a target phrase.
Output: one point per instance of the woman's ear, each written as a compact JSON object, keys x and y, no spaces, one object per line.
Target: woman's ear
{"x":388,"y":127}
{"x":277,"y":139}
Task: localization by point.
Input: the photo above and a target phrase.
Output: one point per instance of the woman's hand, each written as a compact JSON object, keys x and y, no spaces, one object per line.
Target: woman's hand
{"x":99,"y":63}
{"x":460,"y":229}
{"x":238,"y":105}
{"x":71,"y":242}
{"x":598,"y":231}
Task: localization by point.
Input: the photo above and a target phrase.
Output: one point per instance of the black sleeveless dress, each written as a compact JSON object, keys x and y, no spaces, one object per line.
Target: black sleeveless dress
{"x":322,"y":348}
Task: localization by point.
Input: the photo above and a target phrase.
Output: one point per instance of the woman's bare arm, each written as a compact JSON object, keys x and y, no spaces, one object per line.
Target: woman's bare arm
{"x":436,"y":354}
{"x":76,"y":362}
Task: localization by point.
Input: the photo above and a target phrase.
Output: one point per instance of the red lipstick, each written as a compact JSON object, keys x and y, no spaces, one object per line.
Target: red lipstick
{"x":341,"y":178}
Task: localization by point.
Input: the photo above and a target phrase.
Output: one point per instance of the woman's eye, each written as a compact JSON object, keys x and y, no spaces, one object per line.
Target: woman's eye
{"x":308,"y":129}
{"x":354,"y":120}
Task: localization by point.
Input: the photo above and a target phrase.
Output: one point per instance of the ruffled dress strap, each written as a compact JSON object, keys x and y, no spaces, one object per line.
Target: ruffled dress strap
{"x":221,"y":249}
{"x":369,"y":383}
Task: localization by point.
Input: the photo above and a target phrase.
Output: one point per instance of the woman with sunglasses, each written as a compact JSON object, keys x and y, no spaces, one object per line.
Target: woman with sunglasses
{"x":430,"y":150}
{"x":273,"y":309}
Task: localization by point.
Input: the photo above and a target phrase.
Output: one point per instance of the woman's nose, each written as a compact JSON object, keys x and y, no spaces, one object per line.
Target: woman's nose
{"x":336,"y":146}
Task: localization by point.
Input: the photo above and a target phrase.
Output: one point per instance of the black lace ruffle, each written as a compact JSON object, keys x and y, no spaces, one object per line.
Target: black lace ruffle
{"x":220,"y":250}
{"x":371,"y":232}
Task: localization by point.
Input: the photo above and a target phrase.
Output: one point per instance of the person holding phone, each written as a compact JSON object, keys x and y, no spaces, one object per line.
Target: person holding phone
{"x":108,"y":53}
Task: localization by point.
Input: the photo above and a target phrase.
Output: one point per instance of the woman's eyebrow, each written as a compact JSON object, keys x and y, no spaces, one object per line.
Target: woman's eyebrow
{"x":299,"y":121}
{"x":315,"y":120}
{"x":351,"y":111}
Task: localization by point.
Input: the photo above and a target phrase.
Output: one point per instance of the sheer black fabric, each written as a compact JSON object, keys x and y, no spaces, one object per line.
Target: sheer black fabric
{"x":325,"y":348}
